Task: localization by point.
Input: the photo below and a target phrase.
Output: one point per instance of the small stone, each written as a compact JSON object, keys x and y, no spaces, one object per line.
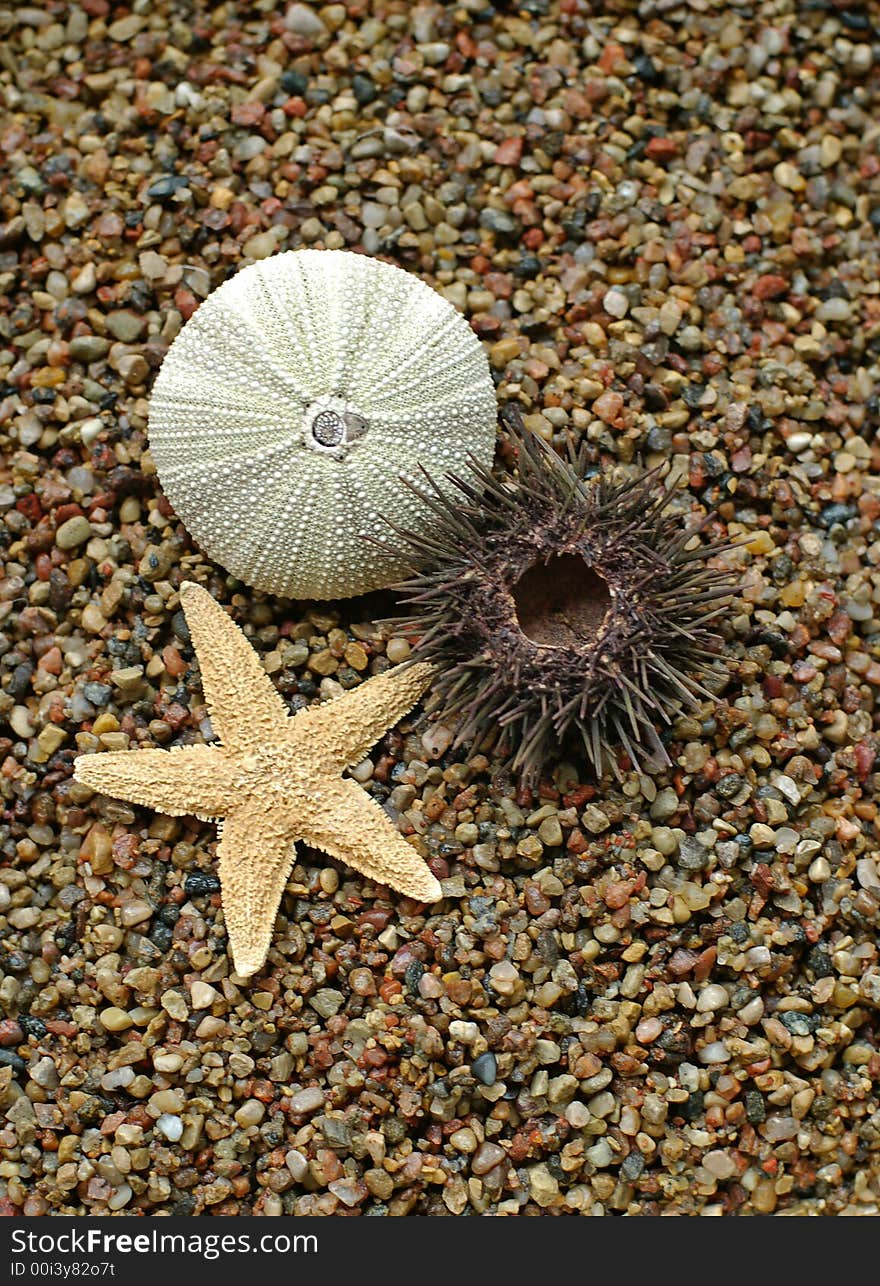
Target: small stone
{"x":550,"y":832}
{"x":712,"y":997}
{"x":600,"y":1154}
{"x":170,"y":1102}
{"x":303,"y":21}
{"x":170,"y":1126}
{"x":76,"y":210}
{"x":76,"y":531}
{"x":167,"y":185}
{"x":306,"y":1101}
{"x":85,"y":280}
{"x":504,"y":351}
{"x":126,"y":326}
{"x":543,"y":1187}
{"x":363,"y":88}
{"x":45,"y":1074}
{"x":126,"y":28}
{"x":485,"y":1068}
{"x":297,"y":1164}
{"x":202,"y":995}
{"x":720,"y":1164}
{"x":608,"y":407}
{"x":595,"y":820}
{"x":115,"y":1019}
{"x":327,"y":1002}
{"x":250,"y":1113}
{"x":174,"y":1005}
{"x":665,"y":805}
{"x":260,"y":246}
{"x":120,"y":1197}
{"x":88,"y":348}
{"x":135,"y":911}
{"x":486,"y":1157}
{"x":616,"y":304}
{"x":437,"y":740}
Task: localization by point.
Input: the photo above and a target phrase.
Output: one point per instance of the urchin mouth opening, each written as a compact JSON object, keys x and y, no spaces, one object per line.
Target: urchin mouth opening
{"x":562,"y":602}
{"x":333,"y":427}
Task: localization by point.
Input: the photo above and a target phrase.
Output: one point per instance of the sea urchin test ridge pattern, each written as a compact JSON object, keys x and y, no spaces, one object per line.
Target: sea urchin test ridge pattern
{"x":293,"y":402}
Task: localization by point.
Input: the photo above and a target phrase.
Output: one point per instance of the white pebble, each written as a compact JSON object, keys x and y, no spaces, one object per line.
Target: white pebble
{"x":717,"y":1052}
{"x":615,"y":303}
{"x":203,"y":995}
{"x":714,"y":996}
{"x":437,"y":740}
{"x":170,"y":1126}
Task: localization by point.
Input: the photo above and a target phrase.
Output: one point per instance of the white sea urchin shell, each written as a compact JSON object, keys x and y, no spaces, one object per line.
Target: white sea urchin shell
{"x":293,"y":402}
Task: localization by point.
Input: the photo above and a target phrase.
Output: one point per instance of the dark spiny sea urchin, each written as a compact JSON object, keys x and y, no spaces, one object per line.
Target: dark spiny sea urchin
{"x":555,"y":607}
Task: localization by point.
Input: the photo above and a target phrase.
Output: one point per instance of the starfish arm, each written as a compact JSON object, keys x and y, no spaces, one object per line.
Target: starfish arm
{"x":349,"y":726}
{"x":353,"y":828}
{"x":187,"y":779}
{"x":246,"y":711}
{"x":256,"y":854}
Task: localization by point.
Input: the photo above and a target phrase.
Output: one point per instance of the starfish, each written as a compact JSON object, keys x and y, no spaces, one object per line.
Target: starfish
{"x":274,"y":779}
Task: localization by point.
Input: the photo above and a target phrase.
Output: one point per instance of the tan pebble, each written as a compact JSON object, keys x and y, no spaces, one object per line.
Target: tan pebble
{"x":397,"y":650}
{"x":487,"y":1156}
{"x":203,"y":995}
{"x":171,"y":1101}
{"x":92,"y":620}
{"x":174,"y":1005}
{"x":85,"y":280}
{"x":115,"y":1019}
{"x":167,"y":1062}
{"x":250,"y":1113}
{"x":503,"y":351}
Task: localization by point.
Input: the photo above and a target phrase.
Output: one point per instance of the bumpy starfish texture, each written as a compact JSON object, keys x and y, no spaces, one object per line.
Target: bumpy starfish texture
{"x":294,"y":401}
{"x":274,"y":779}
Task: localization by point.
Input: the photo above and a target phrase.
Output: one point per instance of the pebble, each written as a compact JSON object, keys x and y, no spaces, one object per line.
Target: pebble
{"x":74,"y":532}
{"x":306,"y":1101}
{"x":303,"y":21}
{"x":485,"y":1068}
{"x":125,"y":326}
{"x":712,"y":997}
{"x":115,"y":1019}
{"x":487,"y":1157}
{"x":174,"y":1005}
{"x":202,"y":995}
{"x":170,"y":1126}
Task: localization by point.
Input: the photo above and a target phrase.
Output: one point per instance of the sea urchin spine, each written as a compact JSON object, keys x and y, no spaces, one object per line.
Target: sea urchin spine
{"x":555,"y":607}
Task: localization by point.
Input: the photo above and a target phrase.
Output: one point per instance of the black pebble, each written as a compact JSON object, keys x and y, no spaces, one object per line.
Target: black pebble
{"x":485,"y":1068}
{"x":632,"y":1167}
{"x":32,"y":1026}
{"x":294,"y":82}
{"x":167,"y":186}
{"x":200,"y":883}
{"x":364,"y":89}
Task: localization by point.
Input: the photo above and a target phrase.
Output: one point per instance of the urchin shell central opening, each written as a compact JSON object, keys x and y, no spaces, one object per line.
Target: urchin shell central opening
{"x":332,"y":426}
{"x":562,"y":603}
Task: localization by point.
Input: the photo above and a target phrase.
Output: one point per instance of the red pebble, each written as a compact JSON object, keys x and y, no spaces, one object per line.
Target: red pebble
{"x":247,"y":113}
{"x":770,"y":286}
{"x":10,"y":1033}
{"x":864,"y":757}
{"x":508,"y":152}
{"x":52,"y":661}
{"x":661,"y":149}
